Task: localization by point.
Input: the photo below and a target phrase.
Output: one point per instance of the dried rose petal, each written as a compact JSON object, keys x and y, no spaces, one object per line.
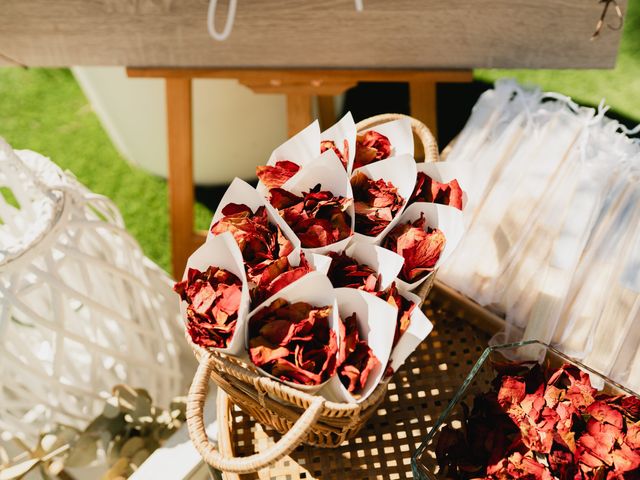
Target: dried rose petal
{"x":563,"y":430}
{"x":371,"y":147}
{"x":513,"y":390}
{"x":405,"y":308}
{"x":331,"y":145}
{"x":376,"y":203}
{"x":317,"y":217}
{"x":358,"y":360}
{"x":605,"y":413}
{"x":277,"y":275}
{"x":420,"y":248}
{"x":294,"y":342}
{"x":213,"y":299}
{"x":278,"y":174}
{"x":429,"y":190}
{"x":260,"y":242}
{"x":633,"y":435}
{"x":346,"y":272}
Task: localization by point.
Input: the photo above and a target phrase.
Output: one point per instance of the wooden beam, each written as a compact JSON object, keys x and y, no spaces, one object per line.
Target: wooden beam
{"x":314,"y":77}
{"x":180,"y":178}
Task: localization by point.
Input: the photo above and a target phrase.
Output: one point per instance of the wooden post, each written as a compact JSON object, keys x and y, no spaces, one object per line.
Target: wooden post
{"x":298,"y":112}
{"x":326,"y":111}
{"x":424,"y":107}
{"x":180,"y":179}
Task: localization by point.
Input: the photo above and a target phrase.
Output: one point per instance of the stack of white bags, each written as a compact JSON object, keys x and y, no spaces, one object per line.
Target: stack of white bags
{"x":553,"y":213}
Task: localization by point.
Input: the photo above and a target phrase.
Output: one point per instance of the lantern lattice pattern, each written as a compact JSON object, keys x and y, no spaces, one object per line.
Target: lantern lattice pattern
{"x":81,"y":308}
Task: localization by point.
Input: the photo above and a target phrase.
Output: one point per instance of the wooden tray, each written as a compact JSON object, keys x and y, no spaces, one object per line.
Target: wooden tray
{"x":418,"y":393}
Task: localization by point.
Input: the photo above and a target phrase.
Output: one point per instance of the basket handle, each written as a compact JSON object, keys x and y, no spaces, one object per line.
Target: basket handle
{"x":419,"y":129}
{"x":195,"y":421}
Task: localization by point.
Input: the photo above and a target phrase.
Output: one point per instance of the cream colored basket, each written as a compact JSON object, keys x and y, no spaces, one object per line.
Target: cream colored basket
{"x":299,"y":416}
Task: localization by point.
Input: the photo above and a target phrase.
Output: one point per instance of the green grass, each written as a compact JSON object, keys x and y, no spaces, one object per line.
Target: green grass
{"x":619,"y":87}
{"x":45,"y":111}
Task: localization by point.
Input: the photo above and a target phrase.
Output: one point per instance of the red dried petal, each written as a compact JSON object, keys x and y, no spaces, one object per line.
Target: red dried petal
{"x":420,"y":248}
{"x":626,"y":460}
{"x":213,"y":299}
{"x":603,"y":412}
{"x":358,"y":358}
{"x":278,"y":174}
{"x":303,"y":331}
{"x":276,"y":276}
{"x":403,"y":305}
{"x":330,"y":145}
{"x":376,"y":203}
{"x":513,"y":390}
{"x":317,"y":217}
{"x":346,"y":272}
{"x":633,"y":435}
{"x":260,"y":241}
{"x":371,"y":147}
{"x":429,"y":190}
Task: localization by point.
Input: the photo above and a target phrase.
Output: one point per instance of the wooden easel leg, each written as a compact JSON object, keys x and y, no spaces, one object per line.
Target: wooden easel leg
{"x":326,"y":111}
{"x":424,"y":107}
{"x":180,"y":178}
{"x":298,"y":112}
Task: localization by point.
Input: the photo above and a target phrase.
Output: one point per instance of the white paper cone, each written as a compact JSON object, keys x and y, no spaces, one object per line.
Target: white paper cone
{"x":399,"y":134}
{"x":242,"y":193}
{"x":401,"y":172}
{"x":327,"y":171}
{"x":343,"y":130}
{"x":385,"y":263}
{"x":448,"y":219}
{"x":320,"y":263}
{"x":222,"y":251}
{"x":376,"y":325}
{"x":300,"y":149}
{"x":444,"y":172}
{"x":316,"y":289}
{"x":417,"y":331}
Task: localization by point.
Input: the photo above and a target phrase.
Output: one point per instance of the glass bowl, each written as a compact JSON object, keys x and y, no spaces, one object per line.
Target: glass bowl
{"x":423,"y":462}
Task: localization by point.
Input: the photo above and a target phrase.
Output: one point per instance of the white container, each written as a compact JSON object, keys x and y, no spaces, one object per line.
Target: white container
{"x":234,"y":129}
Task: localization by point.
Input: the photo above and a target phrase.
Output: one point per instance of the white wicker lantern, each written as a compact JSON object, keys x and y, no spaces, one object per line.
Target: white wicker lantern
{"x":81,"y":308}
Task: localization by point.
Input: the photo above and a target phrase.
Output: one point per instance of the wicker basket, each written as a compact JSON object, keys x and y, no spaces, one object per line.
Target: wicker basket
{"x":299,"y":416}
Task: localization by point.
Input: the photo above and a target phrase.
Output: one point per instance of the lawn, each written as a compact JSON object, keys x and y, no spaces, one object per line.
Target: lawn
{"x":45,"y":111}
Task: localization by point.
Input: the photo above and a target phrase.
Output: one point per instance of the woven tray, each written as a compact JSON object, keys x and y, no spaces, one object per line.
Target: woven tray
{"x":418,"y":392}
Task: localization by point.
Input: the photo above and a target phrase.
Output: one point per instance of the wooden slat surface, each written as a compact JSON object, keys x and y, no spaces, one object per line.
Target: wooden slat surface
{"x":300,"y":33}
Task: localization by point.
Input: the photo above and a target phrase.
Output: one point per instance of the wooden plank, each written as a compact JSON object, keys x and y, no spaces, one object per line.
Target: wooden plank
{"x":180,"y":178}
{"x":314,"y":77}
{"x":434,"y":34}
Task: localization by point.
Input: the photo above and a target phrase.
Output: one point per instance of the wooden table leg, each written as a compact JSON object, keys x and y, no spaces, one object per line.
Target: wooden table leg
{"x":424,"y":107}
{"x":326,"y":111}
{"x":180,"y":178}
{"x":298,"y":112}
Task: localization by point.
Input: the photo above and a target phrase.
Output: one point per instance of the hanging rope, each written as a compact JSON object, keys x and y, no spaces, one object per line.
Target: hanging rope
{"x":600,"y":23}
{"x":231,"y":15}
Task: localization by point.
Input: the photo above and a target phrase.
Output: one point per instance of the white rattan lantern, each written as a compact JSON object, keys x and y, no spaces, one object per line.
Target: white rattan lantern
{"x":81,"y":308}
